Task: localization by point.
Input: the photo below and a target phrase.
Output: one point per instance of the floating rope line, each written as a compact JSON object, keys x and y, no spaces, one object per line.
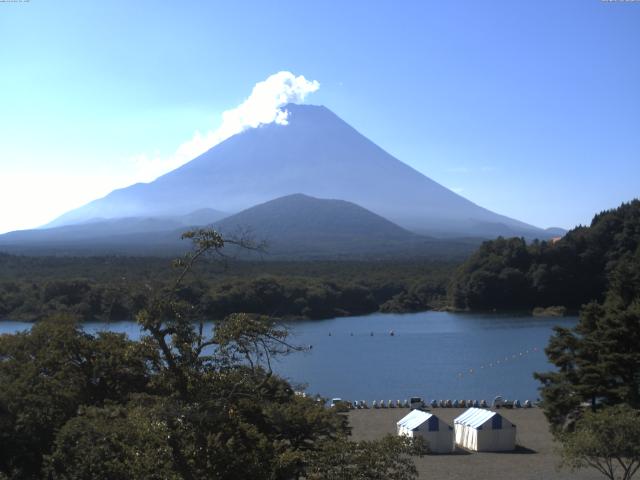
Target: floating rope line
{"x":498,"y":362}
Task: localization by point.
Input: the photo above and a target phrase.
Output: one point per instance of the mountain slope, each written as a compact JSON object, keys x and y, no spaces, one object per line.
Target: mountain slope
{"x":105,"y":231}
{"x":305,"y":225}
{"x":300,"y":226}
{"x":293,"y":227}
{"x":302,"y":216}
{"x":317,"y":154}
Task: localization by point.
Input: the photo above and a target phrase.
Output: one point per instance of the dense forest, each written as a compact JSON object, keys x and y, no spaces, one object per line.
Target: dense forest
{"x":116,"y":288}
{"x":572,"y":271}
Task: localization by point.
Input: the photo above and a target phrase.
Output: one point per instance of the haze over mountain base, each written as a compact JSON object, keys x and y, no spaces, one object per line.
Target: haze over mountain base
{"x":372,"y":202}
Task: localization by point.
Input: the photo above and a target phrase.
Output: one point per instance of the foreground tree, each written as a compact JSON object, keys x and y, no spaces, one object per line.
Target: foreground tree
{"x":46,"y":374}
{"x":592,"y":400}
{"x":607,"y":440}
{"x":187,"y":401}
{"x":115,"y":442}
{"x":387,"y":459}
{"x":598,"y":361}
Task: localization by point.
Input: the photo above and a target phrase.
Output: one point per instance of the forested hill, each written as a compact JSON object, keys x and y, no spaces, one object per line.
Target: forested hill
{"x":511,"y":274}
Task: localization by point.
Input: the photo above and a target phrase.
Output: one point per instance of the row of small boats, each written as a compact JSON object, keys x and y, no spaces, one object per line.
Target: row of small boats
{"x":498,"y":402}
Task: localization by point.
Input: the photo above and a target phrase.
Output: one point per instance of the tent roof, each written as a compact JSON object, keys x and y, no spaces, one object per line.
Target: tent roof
{"x":475,"y":417}
{"x":414,"y":419}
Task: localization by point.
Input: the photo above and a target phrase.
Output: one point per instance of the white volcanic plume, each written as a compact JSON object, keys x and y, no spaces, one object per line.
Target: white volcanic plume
{"x":262,"y":107}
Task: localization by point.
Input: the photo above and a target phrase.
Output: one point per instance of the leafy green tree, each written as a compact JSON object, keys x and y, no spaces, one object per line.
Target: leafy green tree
{"x":47,"y":373}
{"x":387,"y":459}
{"x":558,"y":387}
{"x":111,"y":443}
{"x":494,"y":277}
{"x":236,"y":419}
{"x":607,"y":440}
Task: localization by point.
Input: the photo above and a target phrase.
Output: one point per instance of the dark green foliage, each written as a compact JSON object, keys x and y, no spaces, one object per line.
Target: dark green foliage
{"x":577,"y":269}
{"x":599,"y":360}
{"x":46,"y":374}
{"x":116,"y":288}
{"x":495,"y":276}
{"x":386,"y":459}
{"x":301,"y":298}
{"x":111,"y":443}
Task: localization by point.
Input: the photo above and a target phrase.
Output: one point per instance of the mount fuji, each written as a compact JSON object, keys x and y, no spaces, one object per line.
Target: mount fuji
{"x":316,"y":154}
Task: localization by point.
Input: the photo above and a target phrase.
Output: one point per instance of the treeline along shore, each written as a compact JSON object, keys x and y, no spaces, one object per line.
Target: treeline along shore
{"x":116,"y":288}
{"x":570,"y":272}
{"x":502,"y":275}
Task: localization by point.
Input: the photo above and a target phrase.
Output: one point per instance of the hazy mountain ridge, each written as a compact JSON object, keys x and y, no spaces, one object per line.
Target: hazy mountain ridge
{"x":295,"y":226}
{"x":97,"y":228}
{"x":300,"y":215}
{"x":302,"y":225}
{"x":319,"y":155}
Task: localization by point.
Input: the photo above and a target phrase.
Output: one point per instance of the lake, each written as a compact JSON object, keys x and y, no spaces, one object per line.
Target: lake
{"x":435,"y":355}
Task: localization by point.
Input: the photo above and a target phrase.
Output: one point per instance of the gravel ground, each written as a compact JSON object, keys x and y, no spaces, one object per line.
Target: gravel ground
{"x":534,"y":458}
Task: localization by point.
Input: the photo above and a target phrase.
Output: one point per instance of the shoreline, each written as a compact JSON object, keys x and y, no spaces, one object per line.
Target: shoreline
{"x":537,"y":312}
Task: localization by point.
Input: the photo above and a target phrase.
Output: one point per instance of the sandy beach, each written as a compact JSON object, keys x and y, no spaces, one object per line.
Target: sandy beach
{"x":535,"y":457}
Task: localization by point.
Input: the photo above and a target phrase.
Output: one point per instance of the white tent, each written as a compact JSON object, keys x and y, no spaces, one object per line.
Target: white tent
{"x":438,"y":434}
{"x":484,"y":431}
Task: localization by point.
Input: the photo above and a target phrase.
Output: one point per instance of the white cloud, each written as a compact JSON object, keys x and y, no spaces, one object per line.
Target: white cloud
{"x":262,"y":107}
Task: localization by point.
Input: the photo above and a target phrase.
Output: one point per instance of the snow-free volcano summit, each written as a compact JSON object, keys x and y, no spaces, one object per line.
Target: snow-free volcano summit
{"x":317,"y":154}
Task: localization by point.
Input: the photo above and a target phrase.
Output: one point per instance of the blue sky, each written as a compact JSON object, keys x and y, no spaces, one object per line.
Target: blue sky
{"x":530,"y":109}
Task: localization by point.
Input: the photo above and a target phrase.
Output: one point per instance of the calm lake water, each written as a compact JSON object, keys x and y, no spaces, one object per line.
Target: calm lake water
{"x":436,"y":355}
